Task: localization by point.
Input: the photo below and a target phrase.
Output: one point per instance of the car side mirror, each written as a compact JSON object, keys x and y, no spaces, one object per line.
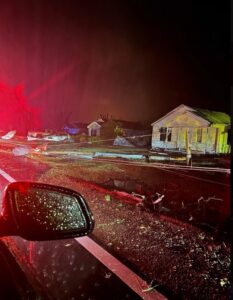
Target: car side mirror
{"x":38,"y":211}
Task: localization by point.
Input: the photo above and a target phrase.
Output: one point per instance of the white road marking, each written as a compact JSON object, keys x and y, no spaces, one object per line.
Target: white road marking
{"x":7,"y":176}
{"x":136,"y":283}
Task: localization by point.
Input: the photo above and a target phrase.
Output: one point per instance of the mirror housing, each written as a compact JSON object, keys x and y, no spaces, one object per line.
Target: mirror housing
{"x":38,"y":211}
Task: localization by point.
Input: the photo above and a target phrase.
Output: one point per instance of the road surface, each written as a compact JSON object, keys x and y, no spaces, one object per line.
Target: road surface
{"x":83,"y":267}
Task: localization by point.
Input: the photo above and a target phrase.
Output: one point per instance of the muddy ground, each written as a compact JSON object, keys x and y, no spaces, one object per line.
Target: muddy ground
{"x":178,"y":259}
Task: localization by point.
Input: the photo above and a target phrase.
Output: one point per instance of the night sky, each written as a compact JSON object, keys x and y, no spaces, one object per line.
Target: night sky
{"x":134,"y":60}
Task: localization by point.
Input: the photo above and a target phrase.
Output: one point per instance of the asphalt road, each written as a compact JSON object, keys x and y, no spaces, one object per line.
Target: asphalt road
{"x":70,"y":269}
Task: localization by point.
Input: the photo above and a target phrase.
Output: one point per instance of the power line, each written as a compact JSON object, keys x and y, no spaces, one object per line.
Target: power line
{"x":105,"y":140}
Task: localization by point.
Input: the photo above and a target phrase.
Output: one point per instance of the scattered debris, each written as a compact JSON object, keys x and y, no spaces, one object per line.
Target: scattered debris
{"x":56,"y":137}
{"x":224,"y":281}
{"x":37,"y":135}
{"x":160,"y":198}
{"x":127,"y":196}
{"x":107,"y":275}
{"x":149,"y":202}
{"x":41,"y":148}
{"x":122,"y":141}
{"x":9,"y":135}
{"x":143,"y":197}
{"x":202,"y":200}
{"x":151,"y":287}
{"x":107,"y":198}
{"x":118,"y":155}
{"x":191,"y":218}
{"x":21,"y":151}
{"x":182,"y":258}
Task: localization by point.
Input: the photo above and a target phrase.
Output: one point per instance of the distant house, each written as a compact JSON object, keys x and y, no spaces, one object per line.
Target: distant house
{"x":94,"y":129}
{"x":134,"y":132}
{"x":201,"y":130}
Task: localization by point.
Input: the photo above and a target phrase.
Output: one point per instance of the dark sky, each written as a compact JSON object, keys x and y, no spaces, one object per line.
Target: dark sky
{"x":135,"y":60}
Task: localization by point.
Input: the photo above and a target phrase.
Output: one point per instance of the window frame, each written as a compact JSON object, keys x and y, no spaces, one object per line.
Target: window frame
{"x":165,"y":134}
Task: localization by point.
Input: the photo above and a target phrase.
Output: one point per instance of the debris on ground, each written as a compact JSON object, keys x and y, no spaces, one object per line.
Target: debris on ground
{"x":187,"y":261}
{"x":21,"y":150}
{"x":107,"y":198}
{"x":9,"y":135}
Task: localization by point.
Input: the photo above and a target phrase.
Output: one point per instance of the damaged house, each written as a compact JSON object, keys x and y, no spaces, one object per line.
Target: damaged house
{"x":201,"y":130}
{"x":124,"y":133}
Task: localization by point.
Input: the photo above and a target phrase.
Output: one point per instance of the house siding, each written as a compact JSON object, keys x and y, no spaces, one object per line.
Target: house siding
{"x":211,"y":141}
{"x":188,"y":129}
{"x":221,"y":143}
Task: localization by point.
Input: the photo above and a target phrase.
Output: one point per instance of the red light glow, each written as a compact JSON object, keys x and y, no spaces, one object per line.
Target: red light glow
{"x":15,"y":112}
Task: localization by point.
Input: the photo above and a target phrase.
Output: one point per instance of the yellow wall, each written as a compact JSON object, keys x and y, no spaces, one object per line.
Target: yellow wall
{"x":214,"y":137}
{"x":222,"y":146}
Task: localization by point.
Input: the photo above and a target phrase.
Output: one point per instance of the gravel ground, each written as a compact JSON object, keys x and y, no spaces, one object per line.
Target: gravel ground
{"x":185,"y":260}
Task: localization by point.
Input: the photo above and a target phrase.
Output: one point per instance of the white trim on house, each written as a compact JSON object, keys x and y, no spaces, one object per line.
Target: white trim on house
{"x":180,"y":108}
{"x":167,"y":121}
{"x":94,"y":123}
{"x":94,"y":129}
{"x":164,"y":121}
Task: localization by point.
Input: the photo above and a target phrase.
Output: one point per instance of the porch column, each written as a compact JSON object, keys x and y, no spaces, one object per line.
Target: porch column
{"x":178,"y":138}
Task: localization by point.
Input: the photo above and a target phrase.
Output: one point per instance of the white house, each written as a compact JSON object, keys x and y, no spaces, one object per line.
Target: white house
{"x":201,"y":130}
{"x":94,"y":129}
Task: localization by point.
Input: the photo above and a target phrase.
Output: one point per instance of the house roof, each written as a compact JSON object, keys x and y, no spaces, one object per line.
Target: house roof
{"x":96,"y":124}
{"x":214,"y":117}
